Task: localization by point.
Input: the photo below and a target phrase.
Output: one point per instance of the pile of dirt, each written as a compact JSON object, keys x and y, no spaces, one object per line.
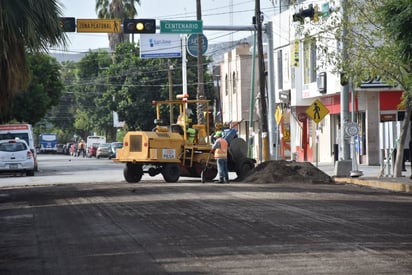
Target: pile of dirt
{"x":282,"y":171}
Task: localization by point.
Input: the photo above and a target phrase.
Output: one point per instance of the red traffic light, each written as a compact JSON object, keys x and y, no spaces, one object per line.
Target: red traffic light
{"x":139,"y":26}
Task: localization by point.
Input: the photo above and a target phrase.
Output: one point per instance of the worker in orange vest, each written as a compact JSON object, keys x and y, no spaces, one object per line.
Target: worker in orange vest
{"x":220,"y":148}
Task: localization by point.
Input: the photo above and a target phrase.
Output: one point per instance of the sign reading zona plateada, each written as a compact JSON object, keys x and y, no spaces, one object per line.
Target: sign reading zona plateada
{"x":99,"y":25}
{"x":181,"y":26}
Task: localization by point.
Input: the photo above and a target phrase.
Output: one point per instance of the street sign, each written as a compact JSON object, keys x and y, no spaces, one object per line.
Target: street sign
{"x":352,"y":129}
{"x":278,"y":115}
{"x":158,"y":45}
{"x":317,"y":111}
{"x":99,"y":25}
{"x":192,"y":44}
{"x":181,"y":26}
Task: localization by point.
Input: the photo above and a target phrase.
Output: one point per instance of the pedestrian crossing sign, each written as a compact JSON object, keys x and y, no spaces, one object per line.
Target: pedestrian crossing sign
{"x":317,"y":111}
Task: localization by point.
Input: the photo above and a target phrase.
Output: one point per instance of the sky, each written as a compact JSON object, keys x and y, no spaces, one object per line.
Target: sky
{"x":214,"y":12}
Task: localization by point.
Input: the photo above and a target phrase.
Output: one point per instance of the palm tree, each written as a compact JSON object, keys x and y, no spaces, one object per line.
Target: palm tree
{"x":116,"y":9}
{"x":25,"y":26}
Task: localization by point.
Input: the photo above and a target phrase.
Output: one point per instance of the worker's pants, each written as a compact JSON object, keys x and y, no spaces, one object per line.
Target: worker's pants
{"x":222,"y":169}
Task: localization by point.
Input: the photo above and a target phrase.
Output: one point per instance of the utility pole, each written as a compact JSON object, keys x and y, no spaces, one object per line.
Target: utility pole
{"x":262,"y":83}
{"x":200,"y":86}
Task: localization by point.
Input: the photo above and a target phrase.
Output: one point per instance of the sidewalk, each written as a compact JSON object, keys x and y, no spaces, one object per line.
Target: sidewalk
{"x":370,"y":177}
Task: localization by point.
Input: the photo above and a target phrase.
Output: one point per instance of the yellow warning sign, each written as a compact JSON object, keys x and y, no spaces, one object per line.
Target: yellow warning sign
{"x":278,"y":115}
{"x":99,"y":25}
{"x":317,"y":111}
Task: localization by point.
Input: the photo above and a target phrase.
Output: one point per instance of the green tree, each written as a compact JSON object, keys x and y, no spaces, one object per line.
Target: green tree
{"x":396,"y":19}
{"x":378,"y":41}
{"x":92,"y":116}
{"x":63,"y":114}
{"x":116,"y":9}
{"x":127,"y":86}
{"x":136,"y":82}
{"x":25,"y":26}
{"x":43,"y":92}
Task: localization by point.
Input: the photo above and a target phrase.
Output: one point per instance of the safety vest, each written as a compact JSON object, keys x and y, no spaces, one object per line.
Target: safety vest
{"x":221,"y":153}
{"x":191,"y":134}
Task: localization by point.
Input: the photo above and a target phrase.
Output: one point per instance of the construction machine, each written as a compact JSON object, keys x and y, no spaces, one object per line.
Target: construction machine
{"x":178,"y":149}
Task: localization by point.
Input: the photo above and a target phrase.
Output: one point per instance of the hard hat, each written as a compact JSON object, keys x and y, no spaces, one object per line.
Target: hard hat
{"x":218,"y":134}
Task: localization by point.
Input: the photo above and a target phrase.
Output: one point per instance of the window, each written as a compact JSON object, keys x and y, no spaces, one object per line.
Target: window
{"x":309,"y":59}
{"x":13,"y":147}
{"x":226,"y":85}
{"x":234,"y":82}
{"x":280,"y":70}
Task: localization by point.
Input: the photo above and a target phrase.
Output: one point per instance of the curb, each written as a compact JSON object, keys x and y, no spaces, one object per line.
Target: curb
{"x":394,"y":186}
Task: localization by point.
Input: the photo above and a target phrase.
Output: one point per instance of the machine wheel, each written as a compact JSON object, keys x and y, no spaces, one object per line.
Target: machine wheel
{"x":244,"y":168}
{"x":210,"y":173}
{"x":133,"y":172}
{"x":171,"y":172}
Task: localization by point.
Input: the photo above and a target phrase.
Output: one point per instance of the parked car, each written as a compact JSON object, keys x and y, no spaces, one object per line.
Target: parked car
{"x":113,"y":147}
{"x":60,"y":148}
{"x":66,"y":148}
{"x":16,"y":156}
{"x":103,"y":151}
{"x":91,"y":150}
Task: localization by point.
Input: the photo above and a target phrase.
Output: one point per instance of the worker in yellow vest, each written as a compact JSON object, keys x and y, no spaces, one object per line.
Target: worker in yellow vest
{"x":220,"y":148}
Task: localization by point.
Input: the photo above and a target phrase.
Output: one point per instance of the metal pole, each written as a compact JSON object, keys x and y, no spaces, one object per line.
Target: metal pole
{"x":344,"y":95}
{"x":317,"y":145}
{"x":170,"y":68}
{"x":271,"y":95}
{"x":184,"y":65}
{"x":252,"y":96}
{"x":355,"y":171}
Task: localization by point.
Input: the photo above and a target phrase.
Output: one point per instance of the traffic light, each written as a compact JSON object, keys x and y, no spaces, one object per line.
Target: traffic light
{"x":139,"y":26}
{"x":316,"y":14}
{"x":300,"y":16}
{"x":67,"y":24}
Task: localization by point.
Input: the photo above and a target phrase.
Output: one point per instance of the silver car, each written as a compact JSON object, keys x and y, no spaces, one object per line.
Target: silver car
{"x":103,"y":151}
{"x":16,"y":157}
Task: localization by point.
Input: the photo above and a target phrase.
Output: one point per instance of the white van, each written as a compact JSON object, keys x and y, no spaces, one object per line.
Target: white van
{"x":95,"y":139}
{"x":21,"y":131}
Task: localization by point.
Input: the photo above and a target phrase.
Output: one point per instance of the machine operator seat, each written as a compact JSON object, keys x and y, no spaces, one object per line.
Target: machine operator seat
{"x":176,"y":128}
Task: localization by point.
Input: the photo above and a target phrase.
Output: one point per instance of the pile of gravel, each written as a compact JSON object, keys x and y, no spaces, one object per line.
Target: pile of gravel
{"x":282,"y":171}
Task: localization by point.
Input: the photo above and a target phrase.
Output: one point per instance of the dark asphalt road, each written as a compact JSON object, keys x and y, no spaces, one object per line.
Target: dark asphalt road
{"x":190,"y":228}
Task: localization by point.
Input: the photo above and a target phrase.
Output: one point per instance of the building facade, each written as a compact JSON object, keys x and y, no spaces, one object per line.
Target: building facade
{"x":302,"y":78}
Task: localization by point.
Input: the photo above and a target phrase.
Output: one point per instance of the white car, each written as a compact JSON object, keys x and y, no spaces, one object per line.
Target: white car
{"x":16,"y":157}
